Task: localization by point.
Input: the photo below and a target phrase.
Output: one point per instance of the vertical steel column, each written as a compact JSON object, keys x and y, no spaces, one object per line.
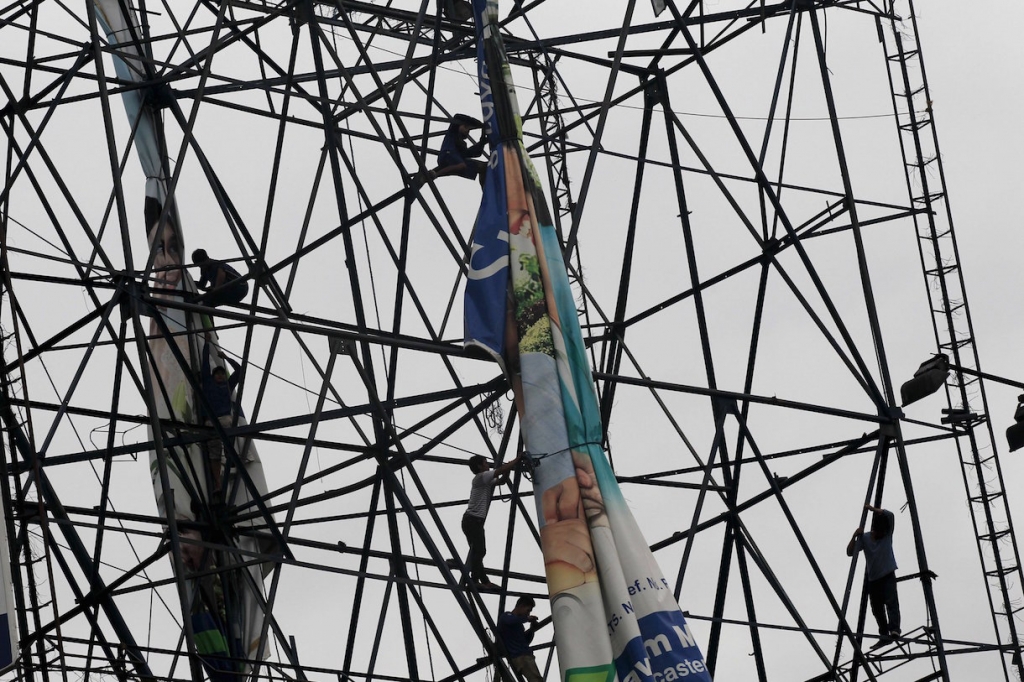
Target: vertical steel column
{"x":616,"y":330}
{"x":883,"y":365}
{"x":954,"y":331}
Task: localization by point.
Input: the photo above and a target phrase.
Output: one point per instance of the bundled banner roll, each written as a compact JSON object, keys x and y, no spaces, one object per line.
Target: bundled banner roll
{"x":233,"y":625}
{"x":614,"y":614}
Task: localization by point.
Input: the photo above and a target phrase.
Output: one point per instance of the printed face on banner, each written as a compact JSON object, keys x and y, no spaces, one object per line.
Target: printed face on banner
{"x":167,"y":260}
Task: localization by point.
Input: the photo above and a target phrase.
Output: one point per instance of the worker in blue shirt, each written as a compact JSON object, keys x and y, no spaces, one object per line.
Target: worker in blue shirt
{"x":516,"y":638}
{"x":456,"y":157}
{"x":881,"y":571}
{"x":217,"y":389}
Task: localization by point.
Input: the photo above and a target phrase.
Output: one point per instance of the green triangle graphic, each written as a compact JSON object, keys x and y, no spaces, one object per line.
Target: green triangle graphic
{"x":594,"y":673}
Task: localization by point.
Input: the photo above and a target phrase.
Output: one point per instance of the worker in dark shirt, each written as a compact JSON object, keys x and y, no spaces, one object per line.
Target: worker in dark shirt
{"x":516,"y":638}
{"x":222,"y":282}
{"x":881,"y":571}
{"x":217,"y":389}
{"x":456,"y":156}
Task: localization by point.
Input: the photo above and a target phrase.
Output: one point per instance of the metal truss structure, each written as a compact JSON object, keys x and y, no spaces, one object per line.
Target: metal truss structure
{"x":745,"y":222}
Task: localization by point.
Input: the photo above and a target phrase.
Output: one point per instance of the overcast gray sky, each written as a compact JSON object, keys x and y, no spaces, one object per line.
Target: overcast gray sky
{"x":973,"y":57}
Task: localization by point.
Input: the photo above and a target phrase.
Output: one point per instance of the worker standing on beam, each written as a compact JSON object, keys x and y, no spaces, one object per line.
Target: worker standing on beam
{"x":484,"y":480}
{"x":881,"y":571}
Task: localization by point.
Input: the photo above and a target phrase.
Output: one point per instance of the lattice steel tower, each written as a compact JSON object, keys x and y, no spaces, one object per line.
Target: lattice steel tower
{"x":747,"y":192}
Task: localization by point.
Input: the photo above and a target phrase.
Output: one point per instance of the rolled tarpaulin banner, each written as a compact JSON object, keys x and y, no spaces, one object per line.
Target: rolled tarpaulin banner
{"x":237,"y":616}
{"x":614,"y":614}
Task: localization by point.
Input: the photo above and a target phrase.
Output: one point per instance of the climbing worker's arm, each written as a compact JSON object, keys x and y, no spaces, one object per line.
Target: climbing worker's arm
{"x":206,"y":371}
{"x":507,"y":467}
{"x":852,"y":547}
{"x":531,"y":631}
{"x":204,"y":281}
{"x":236,"y":373}
{"x":477,"y":149}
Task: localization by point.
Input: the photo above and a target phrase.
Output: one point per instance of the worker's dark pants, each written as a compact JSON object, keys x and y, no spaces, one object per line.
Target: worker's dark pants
{"x":526,"y":665}
{"x":885,"y":603}
{"x":473,"y":527}
{"x":229,"y":294}
{"x":471,"y":168}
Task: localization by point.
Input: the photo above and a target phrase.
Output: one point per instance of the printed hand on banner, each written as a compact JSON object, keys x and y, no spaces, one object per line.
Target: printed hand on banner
{"x":565,"y":538}
{"x":593,"y":503}
{"x":562,"y":501}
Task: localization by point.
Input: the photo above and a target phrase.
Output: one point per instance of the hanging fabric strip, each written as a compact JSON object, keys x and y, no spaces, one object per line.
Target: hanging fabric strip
{"x":232,"y":616}
{"x":614,"y":614}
